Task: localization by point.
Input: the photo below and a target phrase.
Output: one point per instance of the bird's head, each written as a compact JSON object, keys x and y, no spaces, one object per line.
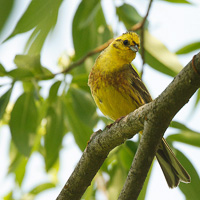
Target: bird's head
{"x":126,"y":46}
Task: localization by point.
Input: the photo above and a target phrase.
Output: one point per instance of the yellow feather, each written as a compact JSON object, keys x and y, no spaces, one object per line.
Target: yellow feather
{"x":117,"y":90}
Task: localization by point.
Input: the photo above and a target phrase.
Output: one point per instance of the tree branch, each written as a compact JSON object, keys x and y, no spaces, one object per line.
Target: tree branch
{"x":163,"y":109}
{"x":140,"y":26}
{"x":154,"y":117}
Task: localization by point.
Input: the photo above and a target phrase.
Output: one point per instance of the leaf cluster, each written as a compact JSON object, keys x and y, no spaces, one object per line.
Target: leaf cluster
{"x":38,"y":122}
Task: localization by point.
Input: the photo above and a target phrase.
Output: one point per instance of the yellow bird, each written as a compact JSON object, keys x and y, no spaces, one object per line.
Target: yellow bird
{"x":118,"y":90}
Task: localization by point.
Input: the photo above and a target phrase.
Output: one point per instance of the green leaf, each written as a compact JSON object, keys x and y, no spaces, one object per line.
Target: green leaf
{"x":89,"y":20}
{"x":81,"y":80}
{"x":42,"y":187}
{"x":29,"y":66}
{"x":41,"y":15}
{"x":18,"y":165}
{"x":80,"y":130}
{"x":2,"y":70}
{"x":5,"y":10}
{"x":4,"y":99}
{"x":178,"y":125}
{"x":189,"y":48}
{"x":9,"y":196}
{"x":116,"y":183}
{"x":54,"y":133}
{"x":128,"y":15}
{"x":31,"y":63}
{"x":178,"y":1}
{"x":90,"y":192}
{"x":84,"y":106}
{"x":186,"y":137}
{"x":126,"y":154}
{"x":53,"y":92}
{"x":23,"y":122}
{"x":143,"y":192}
{"x":159,"y":57}
{"x":197,"y":98}
{"x":20,"y":74}
{"x":191,"y":190}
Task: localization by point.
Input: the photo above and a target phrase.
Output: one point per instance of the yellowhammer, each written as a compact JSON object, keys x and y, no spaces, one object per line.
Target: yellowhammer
{"x":118,"y":90}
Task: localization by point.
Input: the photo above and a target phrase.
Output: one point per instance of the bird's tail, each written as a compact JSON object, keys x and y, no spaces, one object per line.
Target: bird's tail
{"x":173,"y":170}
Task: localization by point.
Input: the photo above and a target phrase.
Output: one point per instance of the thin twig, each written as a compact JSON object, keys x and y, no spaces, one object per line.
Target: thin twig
{"x":141,"y":26}
{"x":68,"y":68}
{"x":154,"y":117}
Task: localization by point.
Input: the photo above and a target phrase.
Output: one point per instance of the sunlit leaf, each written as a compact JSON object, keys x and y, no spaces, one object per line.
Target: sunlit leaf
{"x":116,"y":183}
{"x":89,"y":20}
{"x":4,"y":99}
{"x":53,"y":91}
{"x":197,"y":98}
{"x":191,"y":190}
{"x":178,"y":1}
{"x":80,"y":130}
{"x":90,"y":192}
{"x":9,"y":196}
{"x":126,"y":154}
{"x":186,"y":137}
{"x":159,"y":57}
{"x":2,"y":70}
{"x":32,"y":64}
{"x":142,"y":194}
{"x":189,"y":48}
{"x":23,"y":122}
{"x":54,"y":132}
{"x":42,"y":187}
{"x":81,"y":81}
{"x":18,"y":167}
{"x":178,"y":125}
{"x":84,"y":106}
{"x":128,"y":15}
{"x":20,"y":74}
{"x":5,"y":10}
{"x":41,"y":15}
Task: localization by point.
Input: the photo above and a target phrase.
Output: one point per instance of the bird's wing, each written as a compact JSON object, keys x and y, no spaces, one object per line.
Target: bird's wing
{"x":138,"y":85}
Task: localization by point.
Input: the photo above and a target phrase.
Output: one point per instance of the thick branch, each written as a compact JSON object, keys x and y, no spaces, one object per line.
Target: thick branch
{"x":163,"y":109}
{"x":155,"y":116}
{"x":100,"y":144}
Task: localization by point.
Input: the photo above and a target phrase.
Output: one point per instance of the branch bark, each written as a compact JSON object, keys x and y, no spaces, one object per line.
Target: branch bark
{"x":154,"y":117}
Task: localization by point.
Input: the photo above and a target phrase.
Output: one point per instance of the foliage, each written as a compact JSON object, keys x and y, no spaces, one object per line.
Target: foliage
{"x":39,"y":124}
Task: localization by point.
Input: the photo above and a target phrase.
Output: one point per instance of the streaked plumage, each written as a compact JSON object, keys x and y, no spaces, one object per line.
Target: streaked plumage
{"x":118,"y":90}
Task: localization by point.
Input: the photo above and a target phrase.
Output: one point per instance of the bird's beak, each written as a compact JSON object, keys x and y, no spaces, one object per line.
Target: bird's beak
{"x":134,"y":48}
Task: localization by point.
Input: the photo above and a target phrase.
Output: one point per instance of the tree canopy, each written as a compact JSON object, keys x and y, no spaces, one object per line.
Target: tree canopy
{"x":41,"y":104}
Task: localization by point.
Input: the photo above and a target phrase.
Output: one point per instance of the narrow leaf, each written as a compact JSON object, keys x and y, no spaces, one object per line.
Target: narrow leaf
{"x":159,"y":57}
{"x":4,"y":99}
{"x":18,"y":165}
{"x":178,"y":1}
{"x":5,"y":10}
{"x":197,"y":98}
{"x":23,"y":122}
{"x":186,"y":137}
{"x":42,"y":187}
{"x":128,"y":15}
{"x":80,"y":130}
{"x":53,"y":92}
{"x":54,"y":133}
{"x":178,"y":125}
{"x":90,"y":21}
{"x":189,"y":48}
{"x":84,"y":106}
{"x":2,"y":70}
{"x":191,"y":190}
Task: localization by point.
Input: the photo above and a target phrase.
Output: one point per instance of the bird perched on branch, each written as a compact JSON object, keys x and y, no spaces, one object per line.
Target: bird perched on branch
{"x":118,"y":90}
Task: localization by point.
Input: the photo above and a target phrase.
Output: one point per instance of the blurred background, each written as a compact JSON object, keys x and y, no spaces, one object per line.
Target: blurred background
{"x":47,"y":118}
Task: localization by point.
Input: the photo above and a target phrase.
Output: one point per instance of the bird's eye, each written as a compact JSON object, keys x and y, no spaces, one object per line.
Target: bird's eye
{"x":126,"y":42}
